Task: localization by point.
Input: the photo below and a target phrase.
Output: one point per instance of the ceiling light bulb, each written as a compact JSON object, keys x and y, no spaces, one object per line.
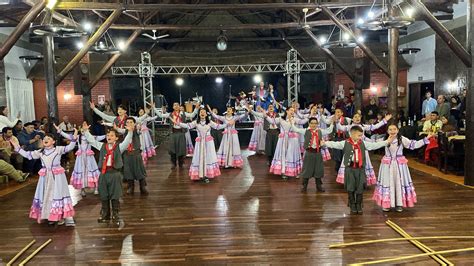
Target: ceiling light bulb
{"x":79,"y":45}
{"x":360,"y":39}
{"x":360,"y":21}
{"x":179,"y":81}
{"x":346,"y":36}
{"x":121,"y":45}
{"x":323,"y":39}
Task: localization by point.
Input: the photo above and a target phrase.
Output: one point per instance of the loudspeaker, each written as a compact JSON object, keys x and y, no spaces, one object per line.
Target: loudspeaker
{"x":81,"y":78}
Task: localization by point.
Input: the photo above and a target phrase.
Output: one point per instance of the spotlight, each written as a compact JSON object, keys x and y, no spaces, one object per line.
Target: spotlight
{"x":360,"y":21}
{"x":121,"y":45}
{"x":79,"y":45}
{"x":219,"y":80}
{"x":51,"y":4}
{"x":101,"y":45}
{"x":179,"y":82}
{"x":323,"y":39}
{"x":221,"y":42}
{"x":360,"y":39}
{"x":87,"y":26}
{"x":346,"y":36}
{"x":410,"y":11}
{"x":257,"y":78}
{"x":373,"y":89}
{"x":370,"y":14}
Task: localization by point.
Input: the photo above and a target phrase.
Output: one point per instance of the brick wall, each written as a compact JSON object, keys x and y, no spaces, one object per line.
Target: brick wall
{"x":377,"y":80}
{"x":72,"y":106}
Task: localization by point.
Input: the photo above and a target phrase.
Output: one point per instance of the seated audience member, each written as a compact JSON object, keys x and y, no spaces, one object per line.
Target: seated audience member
{"x":65,"y":124}
{"x":449,"y":128}
{"x":381,"y":132}
{"x":36,"y":124}
{"x":443,"y":107}
{"x":7,"y":151}
{"x":371,"y":110}
{"x":433,"y":125}
{"x":9,"y":171}
{"x":17,"y":128}
{"x":30,"y":140}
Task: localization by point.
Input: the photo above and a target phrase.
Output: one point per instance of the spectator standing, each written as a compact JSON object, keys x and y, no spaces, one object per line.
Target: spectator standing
{"x":4,"y":120}
{"x":429,"y":105}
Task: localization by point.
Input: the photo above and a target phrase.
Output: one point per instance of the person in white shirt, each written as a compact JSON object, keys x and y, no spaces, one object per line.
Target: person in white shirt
{"x":4,"y":120}
{"x":66,"y":125}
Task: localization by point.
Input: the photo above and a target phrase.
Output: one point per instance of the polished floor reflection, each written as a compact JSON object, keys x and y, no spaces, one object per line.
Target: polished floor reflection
{"x":244,"y":216}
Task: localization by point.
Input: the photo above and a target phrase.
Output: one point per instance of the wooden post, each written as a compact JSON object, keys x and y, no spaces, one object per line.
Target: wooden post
{"x":51,"y":93}
{"x":393,"y":59}
{"x":469,"y":145}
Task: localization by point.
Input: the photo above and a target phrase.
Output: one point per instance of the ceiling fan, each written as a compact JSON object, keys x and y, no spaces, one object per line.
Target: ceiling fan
{"x":154,"y":36}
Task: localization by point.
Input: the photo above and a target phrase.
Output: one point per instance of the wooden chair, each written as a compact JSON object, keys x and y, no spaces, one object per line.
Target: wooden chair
{"x":446,"y":153}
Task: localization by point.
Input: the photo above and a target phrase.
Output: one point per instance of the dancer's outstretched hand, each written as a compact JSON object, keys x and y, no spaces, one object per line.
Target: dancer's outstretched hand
{"x":92,"y":105}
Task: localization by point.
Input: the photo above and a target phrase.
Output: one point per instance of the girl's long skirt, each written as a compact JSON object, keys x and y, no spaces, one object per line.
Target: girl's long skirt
{"x":146,"y":141}
{"x":394,"y":185}
{"x":257,"y":140}
{"x":86,"y":172}
{"x":287,"y":159}
{"x":204,"y":163}
{"x":52,"y":200}
{"x":229,"y":154}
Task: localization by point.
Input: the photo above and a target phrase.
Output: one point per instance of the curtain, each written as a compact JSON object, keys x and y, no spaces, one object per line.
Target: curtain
{"x":20,"y":99}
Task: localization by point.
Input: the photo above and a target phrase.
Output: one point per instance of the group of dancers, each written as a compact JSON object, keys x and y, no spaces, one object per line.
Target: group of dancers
{"x":279,"y":132}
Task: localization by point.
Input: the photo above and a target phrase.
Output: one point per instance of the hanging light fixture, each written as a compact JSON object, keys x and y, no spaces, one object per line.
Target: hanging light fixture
{"x":105,"y":46}
{"x":384,"y":21}
{"x":404,"y":51}
{"x":222,"y":42}
{"x":343,"y":40}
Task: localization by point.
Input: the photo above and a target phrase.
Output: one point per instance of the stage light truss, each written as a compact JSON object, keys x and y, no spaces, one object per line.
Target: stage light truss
{"x":217,"y":69}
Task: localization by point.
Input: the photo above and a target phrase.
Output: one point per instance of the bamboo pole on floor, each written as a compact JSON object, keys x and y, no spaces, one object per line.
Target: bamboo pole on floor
{"x":342,"y":245}
{"x":438,"y":258}
{"x":21,"y":252}
{"x":35,"y":252}
{"x":414,"y":256}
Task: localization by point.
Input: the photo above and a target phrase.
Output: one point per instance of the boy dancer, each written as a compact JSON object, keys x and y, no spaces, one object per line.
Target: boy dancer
{"x":313,"y":160}
{"x":354,"y":160}
{"x":133,"y":168}
{"x":110,"y":164}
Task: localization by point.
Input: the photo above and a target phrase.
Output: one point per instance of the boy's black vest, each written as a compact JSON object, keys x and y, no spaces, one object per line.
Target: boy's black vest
{"x":183,"y":120}
{"x":118,"y":162}
{"x":266,"y":124}
{"x":307,"y":139}
{"x":343,"y":136}
{"x":349,"y":152}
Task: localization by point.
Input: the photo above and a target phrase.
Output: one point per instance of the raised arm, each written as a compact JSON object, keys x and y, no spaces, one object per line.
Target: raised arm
{"x":187,"y":125}
{"x":160,"y":114}
{"x":92,"y":141}
{"x":327,"y":131}
{"x":375,"y":126}
{"x":100,"y":138}
{"x":216,"y":126}
{"x":69,"y":147}
{"x":301,"y":121}
{"x":193,"y":114}
{"x":338,"y":145}
{"x":275,"y":120}
{"x":106,"y":117}
{"x":414,"y":144}
{"x":257,"y":114}
{"x":4,"y":120}
{"x":297,"y":129}
{"x":218,"y":117}
{"x":65,"y":135}
{"x":126,"y":141}
{"x":370,"y":146}
{"x":344,"y":128}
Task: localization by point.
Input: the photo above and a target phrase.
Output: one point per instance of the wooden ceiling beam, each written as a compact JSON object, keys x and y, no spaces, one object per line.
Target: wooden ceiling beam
{"x":207,"y":7}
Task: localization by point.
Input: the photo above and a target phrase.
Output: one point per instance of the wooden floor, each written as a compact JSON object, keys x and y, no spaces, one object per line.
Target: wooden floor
{"x":244,"y":216}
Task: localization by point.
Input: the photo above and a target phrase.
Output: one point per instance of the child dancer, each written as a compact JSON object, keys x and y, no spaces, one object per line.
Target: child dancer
{"x":317,"y":112}
{"x":148,"y":148}
{"x":355,"y":160}
{"x":86,"y":172}
{"x":356,"y":121}
{"x":133,"y":168}
{"x":111,"y":163}
{"x":287,"y":159}
{"x":338,"y":135}
{"x":394,"y":185}
{"x":52,"y":200}
{"x":271,"y":130}
{"x":229,"y":154}
{"x":187,"y":134}
{"x":177,"y":149}
{"x":313,"y":159}
{"x":257,"y":139}
{"x":204,"y":164}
